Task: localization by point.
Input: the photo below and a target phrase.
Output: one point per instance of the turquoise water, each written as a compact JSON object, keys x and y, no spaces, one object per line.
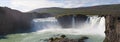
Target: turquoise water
{"x":43,"y":37}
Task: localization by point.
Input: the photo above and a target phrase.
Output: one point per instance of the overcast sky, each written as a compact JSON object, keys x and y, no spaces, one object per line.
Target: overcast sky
{"x":27,"y":5}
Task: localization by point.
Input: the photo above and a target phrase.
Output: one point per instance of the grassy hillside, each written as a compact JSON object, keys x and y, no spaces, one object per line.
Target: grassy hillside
{"x":113,"y":9}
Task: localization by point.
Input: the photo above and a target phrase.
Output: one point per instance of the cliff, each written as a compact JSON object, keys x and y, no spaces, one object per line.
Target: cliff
{"x":66,"y":21}
{"x":112,"y":28}
{"x":12,"y":21}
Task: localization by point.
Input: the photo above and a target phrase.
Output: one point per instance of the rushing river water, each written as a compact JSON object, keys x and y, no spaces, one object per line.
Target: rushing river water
{"x":49,"y":27}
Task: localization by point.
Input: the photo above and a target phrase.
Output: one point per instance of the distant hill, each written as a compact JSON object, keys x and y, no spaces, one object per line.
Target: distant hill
{"x":93,"y":10}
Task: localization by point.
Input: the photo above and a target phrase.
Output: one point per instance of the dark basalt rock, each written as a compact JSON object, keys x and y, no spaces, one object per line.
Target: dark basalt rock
{"x":112,"y":28}
{"x":83,"y":39}
{"x":12,"y":21}
{"x":80,"y":19}
{"x":66,"y":21}
{"x":64,"y":39}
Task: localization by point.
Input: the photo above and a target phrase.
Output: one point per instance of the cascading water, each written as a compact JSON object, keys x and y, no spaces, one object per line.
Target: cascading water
{"x":94,"y":26}
{"x":49,"y":27}
{"x":73,"y":21}
{"x":45,"y":23}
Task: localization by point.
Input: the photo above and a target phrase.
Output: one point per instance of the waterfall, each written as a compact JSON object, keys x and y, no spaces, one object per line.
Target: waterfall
{"x":93,"y":25}
{"x":93,"y":28}
{"x":73,"y":21}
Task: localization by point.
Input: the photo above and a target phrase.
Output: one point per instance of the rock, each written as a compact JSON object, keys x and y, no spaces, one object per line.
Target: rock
{"x":82,"y":39}
{"x":80,"y":19}
{"x":112,"y":28}
{"x":66,"y":21}
{"x":12,"y":21}
{"x":62,"y":36}
{"x":64,"y":39}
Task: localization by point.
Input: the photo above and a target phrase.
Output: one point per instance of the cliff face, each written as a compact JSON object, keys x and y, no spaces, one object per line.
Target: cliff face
{"x":112,"y":28}
{"x":13,"y":21}
{"x":66,"y":21}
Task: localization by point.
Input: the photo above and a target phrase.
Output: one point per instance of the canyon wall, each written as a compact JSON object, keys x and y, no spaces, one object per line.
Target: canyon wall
{"x":12,"y":21}
{"x":66,"y":21}
{"x":112,"y":28}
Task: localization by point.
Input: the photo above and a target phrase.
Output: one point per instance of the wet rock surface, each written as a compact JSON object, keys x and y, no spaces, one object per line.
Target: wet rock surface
{"x":64,"y":39}
{"x":66,"y":21}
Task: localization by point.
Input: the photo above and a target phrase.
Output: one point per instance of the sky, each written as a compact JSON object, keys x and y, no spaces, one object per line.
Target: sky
{"x":27,"y":5}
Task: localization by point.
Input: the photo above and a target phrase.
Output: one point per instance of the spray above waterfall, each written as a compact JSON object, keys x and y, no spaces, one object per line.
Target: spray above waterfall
{"x":45,"y":23}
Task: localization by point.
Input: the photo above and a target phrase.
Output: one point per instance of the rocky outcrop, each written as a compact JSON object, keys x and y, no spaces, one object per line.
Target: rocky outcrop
{"x":12,"y":21}
{"x":64,"y":39}
{"x":80,"y":19}
{"x":66,"y":21}
{"x":112,"y":28}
